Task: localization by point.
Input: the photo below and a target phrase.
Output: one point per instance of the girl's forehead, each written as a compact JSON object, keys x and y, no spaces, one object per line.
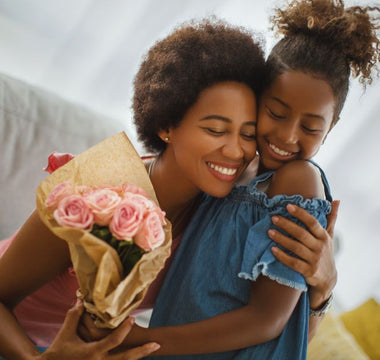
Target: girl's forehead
{"x":302,"y":91}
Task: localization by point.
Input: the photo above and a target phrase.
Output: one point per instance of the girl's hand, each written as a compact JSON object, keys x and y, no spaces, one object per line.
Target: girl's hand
{"x":314,"y":249}
{"x":68,"y":345}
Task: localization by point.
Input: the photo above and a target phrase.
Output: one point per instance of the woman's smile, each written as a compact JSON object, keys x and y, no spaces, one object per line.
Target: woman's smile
{"x":223,"y":172}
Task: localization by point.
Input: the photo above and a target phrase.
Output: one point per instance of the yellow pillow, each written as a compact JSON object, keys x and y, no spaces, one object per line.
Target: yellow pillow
{"x":364,"y":323}
{"x":332,"y":342}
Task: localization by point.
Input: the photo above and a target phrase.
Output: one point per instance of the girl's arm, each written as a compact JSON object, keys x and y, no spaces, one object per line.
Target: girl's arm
{"x":261,"y":320}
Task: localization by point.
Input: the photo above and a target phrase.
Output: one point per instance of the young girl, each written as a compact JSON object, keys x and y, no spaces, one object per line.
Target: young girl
{"x":225,"y":283}
{"x":200,"y":75}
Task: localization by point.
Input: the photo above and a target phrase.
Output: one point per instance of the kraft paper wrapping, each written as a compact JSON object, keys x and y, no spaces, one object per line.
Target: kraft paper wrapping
{"x":97,"y":265}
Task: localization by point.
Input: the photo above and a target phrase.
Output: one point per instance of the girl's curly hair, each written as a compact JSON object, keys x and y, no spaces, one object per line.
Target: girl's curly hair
{"x":176,"y":69}
{"x":324,"y":38}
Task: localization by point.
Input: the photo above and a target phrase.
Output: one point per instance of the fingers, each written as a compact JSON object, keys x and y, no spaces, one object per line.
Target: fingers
{"x":116,"y":337}
{"x":72,"y":317}
{"x":136,"y":353}
{"x":298,"y":248}
{"x":294,"y":263}
{"x":308,"y":220}
{"x":88,"y":330}
{"x":331,"y":218}
{"x":294,"y":231}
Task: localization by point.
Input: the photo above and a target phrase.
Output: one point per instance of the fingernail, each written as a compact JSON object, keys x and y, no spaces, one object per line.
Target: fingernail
{"x":275,"y":219}
{"x":131,"y":320}
{"x":271,"y":233}
{"x":154,"y":346}
{"x":274,"y":250}
{"x":291,"y":208}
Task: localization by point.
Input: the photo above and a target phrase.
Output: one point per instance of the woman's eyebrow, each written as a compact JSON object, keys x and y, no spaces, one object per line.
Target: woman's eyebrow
{"x":218,"y":117}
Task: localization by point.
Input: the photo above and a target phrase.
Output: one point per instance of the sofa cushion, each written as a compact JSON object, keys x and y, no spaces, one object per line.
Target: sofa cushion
{"x":34,"y":123}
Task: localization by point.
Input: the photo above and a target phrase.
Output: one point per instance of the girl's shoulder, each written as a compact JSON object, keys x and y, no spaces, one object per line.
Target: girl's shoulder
{"x":298,"y":177}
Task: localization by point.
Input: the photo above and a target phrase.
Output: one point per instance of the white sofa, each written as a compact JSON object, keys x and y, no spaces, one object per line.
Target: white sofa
{"x":34,"y":123}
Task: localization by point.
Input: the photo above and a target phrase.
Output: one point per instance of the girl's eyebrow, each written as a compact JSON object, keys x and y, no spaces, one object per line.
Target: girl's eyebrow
{"x":283,"y":103}
{"x":225,"y":119}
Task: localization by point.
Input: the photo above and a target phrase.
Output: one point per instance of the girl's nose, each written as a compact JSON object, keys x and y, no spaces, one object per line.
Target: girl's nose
{"x":288,"y":133}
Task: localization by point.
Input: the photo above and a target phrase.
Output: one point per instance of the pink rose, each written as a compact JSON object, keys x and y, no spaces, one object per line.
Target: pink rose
{"x":147,"y":204}
{"x":56,"y":160}
{"x":133,"y":189}
{"x":151,"y":234}
{"x":126,"y":219}
{"x":102,"y":202}
{"x":73,"y":212}
{"x":58,"y":193}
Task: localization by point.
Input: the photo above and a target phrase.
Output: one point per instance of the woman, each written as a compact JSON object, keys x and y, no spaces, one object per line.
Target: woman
{"x":187,"y":62}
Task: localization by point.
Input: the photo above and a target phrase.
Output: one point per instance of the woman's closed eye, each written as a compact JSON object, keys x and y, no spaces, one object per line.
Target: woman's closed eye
{"x":248,"y":136}
{"x":214,"y":131}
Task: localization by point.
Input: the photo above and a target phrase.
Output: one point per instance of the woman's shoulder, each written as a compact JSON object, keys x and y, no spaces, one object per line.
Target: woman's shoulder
{"x":297,"y":177}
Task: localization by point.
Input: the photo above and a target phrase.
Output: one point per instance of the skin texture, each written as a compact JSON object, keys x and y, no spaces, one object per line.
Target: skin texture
{"x":295,"y":116}
{"x":44,"y":256}
{"x":264,"y":317}
{"x":218,"y":130}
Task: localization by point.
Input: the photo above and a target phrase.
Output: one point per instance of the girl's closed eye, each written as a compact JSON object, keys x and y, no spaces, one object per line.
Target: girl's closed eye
{"x":274,"y":114}
{"x":311,"y":130}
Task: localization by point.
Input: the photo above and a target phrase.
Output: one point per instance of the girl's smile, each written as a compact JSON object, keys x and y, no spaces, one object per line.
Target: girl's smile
{"x":295,"y":116}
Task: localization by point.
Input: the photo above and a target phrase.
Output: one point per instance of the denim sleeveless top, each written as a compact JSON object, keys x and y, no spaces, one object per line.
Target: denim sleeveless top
{"x":224,"y":246}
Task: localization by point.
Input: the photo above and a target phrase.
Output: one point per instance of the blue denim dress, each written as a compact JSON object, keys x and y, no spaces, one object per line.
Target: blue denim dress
{"x":224,"y":248}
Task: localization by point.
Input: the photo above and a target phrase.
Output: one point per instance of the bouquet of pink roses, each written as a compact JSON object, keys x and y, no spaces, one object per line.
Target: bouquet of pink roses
{"x":124,"y":217}
{"x":118,"y":236}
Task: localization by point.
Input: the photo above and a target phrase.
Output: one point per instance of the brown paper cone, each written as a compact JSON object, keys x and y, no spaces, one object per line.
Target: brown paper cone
{"x":114,"y":161}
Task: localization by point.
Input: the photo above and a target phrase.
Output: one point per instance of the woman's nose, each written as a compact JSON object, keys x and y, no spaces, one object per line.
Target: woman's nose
{"x":233,"y":149}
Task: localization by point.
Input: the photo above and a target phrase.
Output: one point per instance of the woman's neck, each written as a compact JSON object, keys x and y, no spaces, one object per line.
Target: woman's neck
{"x":175,"y":194}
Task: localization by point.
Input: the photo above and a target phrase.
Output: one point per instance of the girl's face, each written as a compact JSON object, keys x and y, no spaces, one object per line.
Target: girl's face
{"x":295,"y":116}
{"x":215,"y":141}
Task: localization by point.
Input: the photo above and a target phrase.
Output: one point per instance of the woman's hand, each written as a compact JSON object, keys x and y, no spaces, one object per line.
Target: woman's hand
{"x":68,"y":345}
{"x":314,"y":249}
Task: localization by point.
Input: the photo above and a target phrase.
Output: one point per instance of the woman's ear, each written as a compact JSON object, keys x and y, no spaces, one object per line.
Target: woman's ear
{"x":164,"y":135}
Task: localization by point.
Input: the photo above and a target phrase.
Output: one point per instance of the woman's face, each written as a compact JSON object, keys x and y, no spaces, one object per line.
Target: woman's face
{"x":295,"y":116}
{"x":215,"y":141}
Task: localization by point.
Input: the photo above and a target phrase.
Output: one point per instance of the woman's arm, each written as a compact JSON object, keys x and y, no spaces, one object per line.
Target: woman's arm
{"x":34,"y":257}
{"x":68,"y":345}
{"x":261,"y":320}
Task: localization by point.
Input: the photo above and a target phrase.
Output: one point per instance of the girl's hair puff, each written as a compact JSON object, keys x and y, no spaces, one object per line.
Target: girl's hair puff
{"x":176,"y":69}
{"x":329,"y":41}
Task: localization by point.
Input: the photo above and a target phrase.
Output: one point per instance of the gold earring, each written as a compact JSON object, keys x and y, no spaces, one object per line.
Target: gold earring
{"x":166,"y":138}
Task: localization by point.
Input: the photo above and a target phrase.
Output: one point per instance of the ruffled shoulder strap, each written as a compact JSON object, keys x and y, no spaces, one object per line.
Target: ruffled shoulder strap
{"x":324,"y":179}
